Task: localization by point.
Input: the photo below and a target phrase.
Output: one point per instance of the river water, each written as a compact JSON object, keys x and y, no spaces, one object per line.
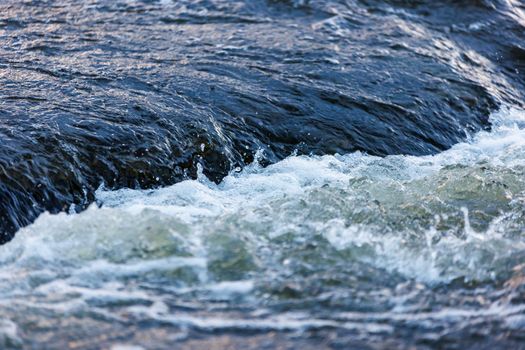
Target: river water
{"x":266,"y":174}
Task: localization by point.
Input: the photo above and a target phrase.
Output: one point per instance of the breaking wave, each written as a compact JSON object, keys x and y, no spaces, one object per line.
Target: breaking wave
{"x":374,"y":238}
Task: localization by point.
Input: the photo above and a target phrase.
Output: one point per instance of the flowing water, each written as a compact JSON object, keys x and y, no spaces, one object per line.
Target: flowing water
{"x":267,"y":174}
{"x":354,"y":248}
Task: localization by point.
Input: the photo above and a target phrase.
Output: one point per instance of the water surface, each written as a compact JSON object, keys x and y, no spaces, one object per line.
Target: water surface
{"x":262,"y":174}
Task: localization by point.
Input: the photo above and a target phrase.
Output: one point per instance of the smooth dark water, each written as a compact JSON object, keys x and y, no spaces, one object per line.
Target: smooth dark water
{"x":271,"y":173}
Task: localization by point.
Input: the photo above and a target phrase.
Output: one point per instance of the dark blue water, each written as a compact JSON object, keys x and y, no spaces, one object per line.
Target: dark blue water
{"x":139,"y":95}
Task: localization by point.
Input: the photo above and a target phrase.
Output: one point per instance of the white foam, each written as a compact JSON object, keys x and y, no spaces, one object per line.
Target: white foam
{"x":457,"y":214}
{"x":249,"y":192}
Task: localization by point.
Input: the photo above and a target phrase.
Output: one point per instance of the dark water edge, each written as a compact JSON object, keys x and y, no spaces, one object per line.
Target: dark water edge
{"x":86,"y":330}
{"x":138,"y":93}
{"x":308,"y":340}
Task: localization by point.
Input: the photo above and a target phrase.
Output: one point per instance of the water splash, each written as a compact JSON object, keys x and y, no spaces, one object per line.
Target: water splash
{"x":305,"y":229}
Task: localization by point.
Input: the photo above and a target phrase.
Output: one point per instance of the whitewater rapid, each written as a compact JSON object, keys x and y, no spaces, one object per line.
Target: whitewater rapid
{"x":386,"y":231}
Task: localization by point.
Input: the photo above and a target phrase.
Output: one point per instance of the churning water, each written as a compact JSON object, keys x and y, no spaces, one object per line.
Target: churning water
{"x":230,"y":174}
{"x":424,"y":250}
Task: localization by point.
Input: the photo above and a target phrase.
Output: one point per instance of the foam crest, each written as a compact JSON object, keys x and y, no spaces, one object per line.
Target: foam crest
{"x":265,"y":235}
